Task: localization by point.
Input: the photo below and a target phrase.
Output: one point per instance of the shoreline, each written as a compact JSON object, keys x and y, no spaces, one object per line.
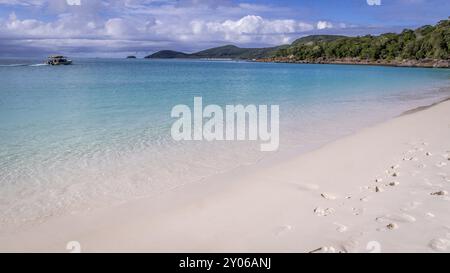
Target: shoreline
{"x":421,"y":108}
{"x":407,"y":63}
{"x":256,"y":210}
{"x":418,"y":64}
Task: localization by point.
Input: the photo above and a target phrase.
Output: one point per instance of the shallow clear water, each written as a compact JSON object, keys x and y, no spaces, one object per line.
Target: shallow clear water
{"x":98,"y":131}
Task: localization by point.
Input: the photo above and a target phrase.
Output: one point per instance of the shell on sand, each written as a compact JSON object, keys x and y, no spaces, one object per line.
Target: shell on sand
{"x":440,"y":193}
{"x":392,"y":226}
{"x":324,"y":249}
{"x":323,"y":212}
{"x":328,"y":196}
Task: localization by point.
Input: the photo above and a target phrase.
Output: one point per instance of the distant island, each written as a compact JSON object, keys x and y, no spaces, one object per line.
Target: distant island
{"x":427,"y":46}
{"x":131,"y":57}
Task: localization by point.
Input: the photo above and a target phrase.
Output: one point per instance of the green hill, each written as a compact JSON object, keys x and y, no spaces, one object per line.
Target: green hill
{"x":427,"y":42}
{"x":168,"y":54}
{"x":223,"y":52}
{"x":234,"y":52}
{"x":427,"y":46}
{"x":316,"y":38}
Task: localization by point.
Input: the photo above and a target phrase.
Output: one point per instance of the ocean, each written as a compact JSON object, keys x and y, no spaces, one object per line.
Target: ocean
{"x":97,"y":133}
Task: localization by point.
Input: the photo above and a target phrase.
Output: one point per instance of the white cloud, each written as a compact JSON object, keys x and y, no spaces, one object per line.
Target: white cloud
{"x":119,"y":28}
{"x":374,"y":2}
{"x":73,"y":2}
{"x":249,"y":29}
{"x":139,"y":23}
{"x":324,"y":25}
{"x":22,"y":2}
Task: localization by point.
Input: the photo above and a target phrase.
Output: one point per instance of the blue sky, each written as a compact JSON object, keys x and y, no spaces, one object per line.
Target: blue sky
{"x":120,"y":27}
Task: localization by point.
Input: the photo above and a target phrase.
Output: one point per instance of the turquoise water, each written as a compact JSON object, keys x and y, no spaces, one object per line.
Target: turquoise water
{"x":75,"y":137}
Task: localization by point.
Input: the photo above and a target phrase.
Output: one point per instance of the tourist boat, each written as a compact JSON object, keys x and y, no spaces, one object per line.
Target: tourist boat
{"x":58,"y":60}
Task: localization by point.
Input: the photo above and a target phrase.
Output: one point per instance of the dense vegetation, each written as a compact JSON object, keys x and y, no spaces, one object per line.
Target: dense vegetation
{"x":225,"y":52}
{"x":427,"y":42}
{"x":168,"y":54}
{"x":409,"y":48}
{"x":234,"y":52}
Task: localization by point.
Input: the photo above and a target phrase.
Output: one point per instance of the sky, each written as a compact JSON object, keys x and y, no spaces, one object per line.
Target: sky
{"x":116,"y":28}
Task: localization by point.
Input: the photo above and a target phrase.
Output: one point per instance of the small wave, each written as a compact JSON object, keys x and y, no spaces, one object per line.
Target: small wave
{"x":12,"y":65}
{"x":16,"y":65}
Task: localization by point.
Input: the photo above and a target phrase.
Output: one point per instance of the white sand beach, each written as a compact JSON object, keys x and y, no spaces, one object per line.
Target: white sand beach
{"x":385,"y":187}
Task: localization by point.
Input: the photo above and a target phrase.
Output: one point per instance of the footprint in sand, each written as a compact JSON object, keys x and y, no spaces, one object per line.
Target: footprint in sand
{"x":444,"y":177}
{"x":323,"y":212}
{"x":440,"y":244}
{"x":283,"y":229}
{"x":422,"y":166}
{"x":427,"y":182}
{"x":364,"y":199}
{"x":351,"y":246}
{"x":405,"y":218}
{"x":340,"y":228}
{"x":411,"y":206}
{"x":441,"y":164}
{"x":410,"y":158}
{"x":357,"y":211}
{"x":306,"y":187}
{"x":430,"y":215}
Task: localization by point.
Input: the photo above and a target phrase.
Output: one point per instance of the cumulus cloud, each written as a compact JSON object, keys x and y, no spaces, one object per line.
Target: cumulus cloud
{"x":374,"y":2}
{"x":325,"y":25}
{"x":250,"y":28}
{"x":22,"y":2}
{"x":148,"y":25}
{"x":73,"y":2}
